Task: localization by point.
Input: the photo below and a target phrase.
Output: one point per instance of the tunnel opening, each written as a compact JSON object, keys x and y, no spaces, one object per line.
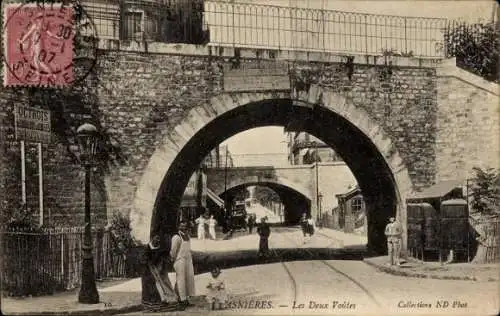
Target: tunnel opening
{"x":369,"y":167}
{"x":294,"y":203}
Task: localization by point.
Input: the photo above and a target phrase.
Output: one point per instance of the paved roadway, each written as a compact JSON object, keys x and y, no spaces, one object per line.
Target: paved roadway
{"x":261,"y":211}
{"x":331,"y":287}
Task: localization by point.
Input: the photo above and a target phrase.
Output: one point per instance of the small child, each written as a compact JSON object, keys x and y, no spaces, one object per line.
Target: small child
{"x":216,"y":296}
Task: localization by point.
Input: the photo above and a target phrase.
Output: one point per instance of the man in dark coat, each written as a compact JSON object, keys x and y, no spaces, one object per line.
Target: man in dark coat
{"x":303,"y":224}
{"x":264,"y":231}
{"x":251,"y":223}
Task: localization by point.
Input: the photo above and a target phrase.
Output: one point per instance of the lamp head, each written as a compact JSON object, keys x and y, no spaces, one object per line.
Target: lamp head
{"x":87,"y":140}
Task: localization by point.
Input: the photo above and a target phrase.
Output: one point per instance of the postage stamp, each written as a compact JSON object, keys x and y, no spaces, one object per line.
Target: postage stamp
{"x":39,"y":44}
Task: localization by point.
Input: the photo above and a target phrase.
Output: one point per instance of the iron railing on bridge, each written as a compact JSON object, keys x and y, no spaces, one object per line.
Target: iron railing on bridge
{"x":260,"y":160}
{"x":288,"y":28}
{"x":224,"y":23}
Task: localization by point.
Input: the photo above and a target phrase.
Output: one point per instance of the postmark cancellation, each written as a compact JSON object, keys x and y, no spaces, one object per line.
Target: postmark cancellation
{"x":38,"y":44}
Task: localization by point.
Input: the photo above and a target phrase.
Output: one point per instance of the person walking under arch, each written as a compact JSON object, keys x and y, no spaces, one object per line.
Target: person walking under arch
{"x":251,"y":223}
{"x":183,"y":265}
{"x":211,"y":227}
{"x":310,"y":227}
{"x":264,"y":231}
{"x":303,"y":225}
{"x":201,"y":227}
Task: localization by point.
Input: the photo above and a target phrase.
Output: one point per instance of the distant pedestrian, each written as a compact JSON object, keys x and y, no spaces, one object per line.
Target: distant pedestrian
{"x":303,"y":225}
{"x":211,"y":227}
{"x":264,"y":231}
{"x":310,"y":228}
{"x":251,"y":223}
{"x":180,"y":254}
{"x":201,"y":227}
{"x":393,"y":232}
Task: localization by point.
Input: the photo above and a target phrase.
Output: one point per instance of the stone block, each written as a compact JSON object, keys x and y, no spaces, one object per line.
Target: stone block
{"x":195,"y":120}
{"x":222,"y":103}
{"x":179,"y":137}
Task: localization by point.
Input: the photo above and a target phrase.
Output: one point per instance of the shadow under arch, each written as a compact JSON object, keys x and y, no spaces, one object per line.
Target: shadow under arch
{"x":295,"y":202}
{"x":378,"y":168}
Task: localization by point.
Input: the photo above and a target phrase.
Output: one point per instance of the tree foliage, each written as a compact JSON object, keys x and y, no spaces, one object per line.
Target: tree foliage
{"x":20,"y":216}
{"x":475,"y":47}
{"x":485,"y":192}
{"x":266,"y":195}
{"x":121,"y":231}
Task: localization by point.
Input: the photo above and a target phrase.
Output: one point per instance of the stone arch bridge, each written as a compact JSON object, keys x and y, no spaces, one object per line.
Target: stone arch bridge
{"x":297,"y":178}
{"x":293,"y":184}
{"x":400,"y":123}
{"x":297,"y":186}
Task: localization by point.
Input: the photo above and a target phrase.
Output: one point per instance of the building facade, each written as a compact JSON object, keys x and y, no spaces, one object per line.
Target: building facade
{"x":304,"y":148}
{"x":196,"y":195}
{"x":350,"y":214}
{"x":169,"y":21}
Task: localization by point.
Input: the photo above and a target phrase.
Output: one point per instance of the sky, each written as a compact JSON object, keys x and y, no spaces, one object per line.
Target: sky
{"x":272,"y":139}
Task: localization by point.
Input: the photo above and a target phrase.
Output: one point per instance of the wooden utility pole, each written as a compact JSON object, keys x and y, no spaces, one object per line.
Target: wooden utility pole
{"x":226,"y":205}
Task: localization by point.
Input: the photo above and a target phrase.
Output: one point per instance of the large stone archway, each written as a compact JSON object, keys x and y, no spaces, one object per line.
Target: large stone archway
{"x":294,"y":202}
{"x":371,"y":154}
{"x":235,"y":179}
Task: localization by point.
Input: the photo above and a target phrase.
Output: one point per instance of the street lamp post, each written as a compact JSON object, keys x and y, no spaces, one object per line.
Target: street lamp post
{"x":87,"y":139}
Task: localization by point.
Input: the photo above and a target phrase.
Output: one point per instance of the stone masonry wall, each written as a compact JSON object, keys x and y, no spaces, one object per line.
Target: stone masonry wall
{"x":401,"y":99}
{"x":468,"y":124}
{"x":142,"y":97}
{"x":63,"y":183}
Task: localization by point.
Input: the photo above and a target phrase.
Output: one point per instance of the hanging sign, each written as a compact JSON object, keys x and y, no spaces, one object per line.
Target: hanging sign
{"x":257,"y":76}
{"x":32,"y":125}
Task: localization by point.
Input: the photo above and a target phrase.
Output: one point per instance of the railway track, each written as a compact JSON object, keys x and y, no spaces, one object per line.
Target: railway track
{"x":288,"y":272}
{"x":330,"y":267}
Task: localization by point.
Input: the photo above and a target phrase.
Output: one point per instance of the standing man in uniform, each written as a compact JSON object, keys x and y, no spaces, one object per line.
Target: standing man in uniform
{"x":393,"y":232}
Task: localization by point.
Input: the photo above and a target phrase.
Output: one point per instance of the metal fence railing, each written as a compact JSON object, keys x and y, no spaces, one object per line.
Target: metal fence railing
{"x":224,"y":23}
{"x":43,"y":262}
{"x":488,"y":231}
{"x":249,"y":25}
{"x":255,"y":160}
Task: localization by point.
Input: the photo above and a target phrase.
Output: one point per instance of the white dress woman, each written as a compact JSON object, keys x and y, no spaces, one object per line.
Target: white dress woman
{"x":201,"y":227}
{"x":183,"y":265}
{"x":211,"y":227}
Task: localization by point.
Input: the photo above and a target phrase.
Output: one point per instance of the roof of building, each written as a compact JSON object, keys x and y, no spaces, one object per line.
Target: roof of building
{"x":354,"y":191}
{"x":438,"y":190}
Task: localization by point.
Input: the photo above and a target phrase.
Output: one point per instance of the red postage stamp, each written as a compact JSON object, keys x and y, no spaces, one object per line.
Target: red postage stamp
{"x":38,"y":43}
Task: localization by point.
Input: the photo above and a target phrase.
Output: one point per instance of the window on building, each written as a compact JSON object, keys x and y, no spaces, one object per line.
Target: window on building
{"x":134,"y":24}
{"x":357,"y":205}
